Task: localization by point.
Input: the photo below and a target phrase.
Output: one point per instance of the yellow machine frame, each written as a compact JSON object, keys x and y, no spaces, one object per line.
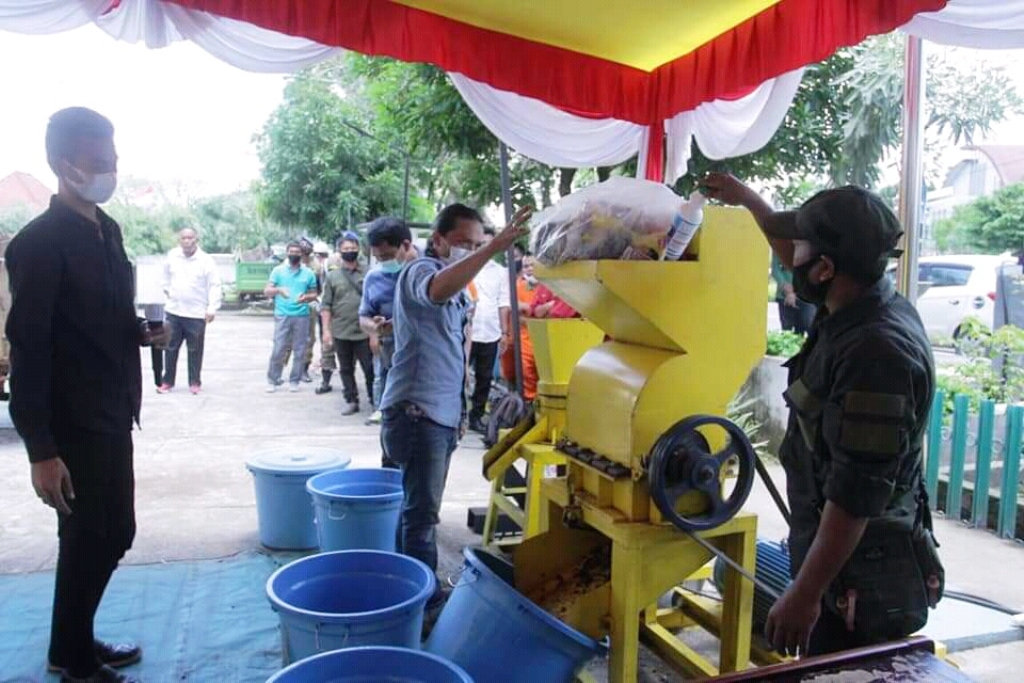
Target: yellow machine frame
{"x":684,"y":337}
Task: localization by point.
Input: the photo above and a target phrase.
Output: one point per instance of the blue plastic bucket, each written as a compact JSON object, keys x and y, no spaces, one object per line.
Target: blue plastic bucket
{"x":372,"y":665}
{"x":349,"y":598}
{"x":283,"y":510}
{"x":499,"y":636}
{"x":357,"y":509}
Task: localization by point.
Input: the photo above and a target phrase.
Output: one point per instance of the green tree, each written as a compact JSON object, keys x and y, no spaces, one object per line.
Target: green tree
{"x":454,"y":156}
{"x":232,"y":222}
{"x":992,"y":224}
{"x":320,"y":174}
{"x":962,"y":100}
{"x":13,"y":219}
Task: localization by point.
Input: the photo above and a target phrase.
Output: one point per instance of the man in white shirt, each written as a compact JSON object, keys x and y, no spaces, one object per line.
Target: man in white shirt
{"x":490,"y":333}
{"x":193,"y":289}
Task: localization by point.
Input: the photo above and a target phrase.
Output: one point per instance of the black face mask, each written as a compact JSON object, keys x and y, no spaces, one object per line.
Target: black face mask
{"x":294,"y":259}
{"x":805,"y":289}
{"x":349,"y":256}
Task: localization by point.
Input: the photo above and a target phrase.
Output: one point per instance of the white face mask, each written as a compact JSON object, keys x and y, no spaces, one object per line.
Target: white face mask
{"x":97,"y":188}
{"x":456,"y":254}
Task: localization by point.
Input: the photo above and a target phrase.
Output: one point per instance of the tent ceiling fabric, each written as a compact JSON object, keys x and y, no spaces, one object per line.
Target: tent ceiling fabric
{"x":785,"y":36}
{"x":641,"y":34}
{"x":598,"y":110}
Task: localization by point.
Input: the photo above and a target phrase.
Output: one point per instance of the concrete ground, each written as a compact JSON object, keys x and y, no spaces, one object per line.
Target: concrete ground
{"x":195,"y":497}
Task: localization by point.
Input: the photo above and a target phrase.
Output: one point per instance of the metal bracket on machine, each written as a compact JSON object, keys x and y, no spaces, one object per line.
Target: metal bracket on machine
{"x":610,"y":468}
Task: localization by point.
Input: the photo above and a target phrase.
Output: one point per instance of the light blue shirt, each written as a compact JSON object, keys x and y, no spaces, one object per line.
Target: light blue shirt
{"x":297,"y":281}
{"x":429,"y":365}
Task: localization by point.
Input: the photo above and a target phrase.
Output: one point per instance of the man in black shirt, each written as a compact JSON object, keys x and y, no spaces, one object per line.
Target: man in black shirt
{"x":864,"y":565}
{"x":76,"y":384}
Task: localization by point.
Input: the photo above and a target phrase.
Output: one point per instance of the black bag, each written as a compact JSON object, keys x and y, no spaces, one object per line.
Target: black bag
{"x":894,"y":577}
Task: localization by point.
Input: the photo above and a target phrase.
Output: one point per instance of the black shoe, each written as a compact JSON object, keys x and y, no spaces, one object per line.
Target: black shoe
{"x":476,"y":424}
{"x":350,"y":409}
{"x":323,"y":389}
{"x":114,"y":655}
{"x":104,"y":674}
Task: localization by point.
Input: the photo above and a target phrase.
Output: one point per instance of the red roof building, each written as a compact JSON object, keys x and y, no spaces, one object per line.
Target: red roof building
{"x":24,"y":190}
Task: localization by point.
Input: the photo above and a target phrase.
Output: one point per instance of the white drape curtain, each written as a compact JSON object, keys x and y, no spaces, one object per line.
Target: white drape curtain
{"x":48,"y":16}
{"x":983,"y":24}
{"x":730,"y":128}
{"x":158,"y":24}
{"x":549,"y":135}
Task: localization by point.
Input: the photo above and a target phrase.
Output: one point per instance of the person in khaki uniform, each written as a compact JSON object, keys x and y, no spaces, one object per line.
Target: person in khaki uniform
{"x":343,"y":292}
{"x":863,"y":557}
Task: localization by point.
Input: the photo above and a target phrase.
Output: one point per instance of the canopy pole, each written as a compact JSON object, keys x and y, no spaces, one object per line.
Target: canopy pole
{"x":513,"y":293}
{"x":911,"y":171}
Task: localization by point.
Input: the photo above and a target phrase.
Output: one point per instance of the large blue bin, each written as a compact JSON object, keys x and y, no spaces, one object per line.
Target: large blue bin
{"x":371,"y":665}
{"x":499,"y":636}
{"x":283,"y":508}
{"x":357,"y":509}
{"x":350,"y":598}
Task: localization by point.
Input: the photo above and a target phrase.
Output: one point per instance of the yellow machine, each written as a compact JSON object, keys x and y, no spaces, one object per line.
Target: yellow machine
{"x":646,"y":453}
{"x":557,"y":347}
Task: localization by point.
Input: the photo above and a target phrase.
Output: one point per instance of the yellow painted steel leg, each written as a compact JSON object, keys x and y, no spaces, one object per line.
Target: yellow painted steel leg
{"x":627,"y":570}
{"x":738,"y":600}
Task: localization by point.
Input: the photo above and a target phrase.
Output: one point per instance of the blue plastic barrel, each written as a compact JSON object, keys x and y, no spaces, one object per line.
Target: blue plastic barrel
{"x":357,"y":509}
{"x":283,"y":509}
{"x":371,"y":665}
{"x":350,"y":598}
{"x":499,"y":636}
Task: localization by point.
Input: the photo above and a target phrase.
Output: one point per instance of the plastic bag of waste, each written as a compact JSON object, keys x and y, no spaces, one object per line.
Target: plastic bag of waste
{"x":619,"y":218}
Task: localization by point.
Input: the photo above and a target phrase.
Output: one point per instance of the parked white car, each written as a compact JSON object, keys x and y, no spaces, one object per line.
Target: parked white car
{"x":955,"y":288}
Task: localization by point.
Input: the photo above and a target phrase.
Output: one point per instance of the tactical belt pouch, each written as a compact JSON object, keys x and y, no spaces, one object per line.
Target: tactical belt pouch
{"x":926,"y":549}
{"x":891,"y":595}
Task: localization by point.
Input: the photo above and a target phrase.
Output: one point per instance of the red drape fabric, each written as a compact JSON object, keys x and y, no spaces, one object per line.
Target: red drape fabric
{"x":790,"y":34}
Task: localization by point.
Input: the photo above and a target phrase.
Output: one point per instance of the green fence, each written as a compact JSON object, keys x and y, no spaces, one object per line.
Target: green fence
{"x":976,"y":453}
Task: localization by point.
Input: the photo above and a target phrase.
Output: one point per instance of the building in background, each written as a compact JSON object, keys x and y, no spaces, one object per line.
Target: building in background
{"x":984,"y":169}
{"x":24,"y":191}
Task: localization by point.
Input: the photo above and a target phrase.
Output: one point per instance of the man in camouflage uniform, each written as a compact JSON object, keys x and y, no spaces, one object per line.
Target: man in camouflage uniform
{"x":864,"y":565}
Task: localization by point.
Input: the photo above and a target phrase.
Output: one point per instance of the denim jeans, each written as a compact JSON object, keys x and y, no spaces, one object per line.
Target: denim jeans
{"x":290,"y":332}
{"x":192,"y":331}
{"x":423,"y":450}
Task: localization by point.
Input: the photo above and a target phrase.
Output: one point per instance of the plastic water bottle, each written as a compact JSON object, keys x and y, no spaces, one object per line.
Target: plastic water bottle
{"x":684,"y":225}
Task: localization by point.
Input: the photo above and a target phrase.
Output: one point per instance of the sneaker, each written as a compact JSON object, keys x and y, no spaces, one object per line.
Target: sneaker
{"x":323,"y":389}
{"x":375,"y":419}
{"x":307,"y":378}
{"x":293,"y":387}
{"x":164,"y":389}
{"x":194,"y":389}
{"x":271,"y":388}
{"x":350,"y":409}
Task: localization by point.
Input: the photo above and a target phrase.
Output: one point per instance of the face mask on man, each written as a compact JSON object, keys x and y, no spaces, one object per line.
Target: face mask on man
{"x":294,"y":259}
{"x":805,"y":289}
{"x":391,"y":266}
{"x":96,"y":188}
{"x":349,"y":256}
{"x":456,"y":254}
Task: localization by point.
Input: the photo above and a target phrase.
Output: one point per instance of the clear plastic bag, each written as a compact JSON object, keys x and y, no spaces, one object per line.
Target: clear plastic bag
{"x":619,"y":218}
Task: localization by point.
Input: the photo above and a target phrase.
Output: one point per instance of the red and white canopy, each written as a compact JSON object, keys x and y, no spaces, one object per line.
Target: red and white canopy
{"x":565,"y":82}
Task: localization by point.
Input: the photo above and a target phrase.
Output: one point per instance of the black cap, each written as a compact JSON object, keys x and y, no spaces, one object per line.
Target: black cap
{"x":850,"y":225}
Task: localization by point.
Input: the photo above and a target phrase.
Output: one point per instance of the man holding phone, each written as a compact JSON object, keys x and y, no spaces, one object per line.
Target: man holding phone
{"x":293,"y":287}
{"x":391,"y":245}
